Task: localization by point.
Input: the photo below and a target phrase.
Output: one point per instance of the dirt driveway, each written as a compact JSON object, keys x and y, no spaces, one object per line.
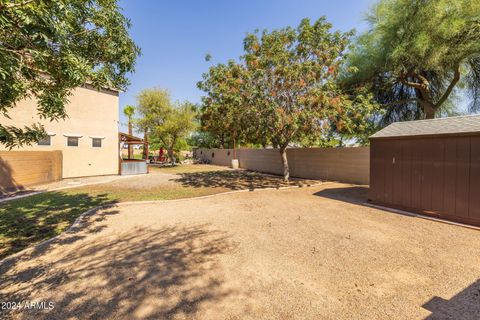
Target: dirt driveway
{"x":304,"y":253}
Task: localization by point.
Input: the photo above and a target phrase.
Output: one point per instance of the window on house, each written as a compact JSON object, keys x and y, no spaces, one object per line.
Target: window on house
{"x":72,"y":141}
{"x":46,"y":141}
{"x":96,"y":143}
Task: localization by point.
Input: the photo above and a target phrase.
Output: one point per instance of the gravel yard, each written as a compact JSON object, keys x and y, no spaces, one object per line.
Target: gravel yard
{"x":302,"y":253}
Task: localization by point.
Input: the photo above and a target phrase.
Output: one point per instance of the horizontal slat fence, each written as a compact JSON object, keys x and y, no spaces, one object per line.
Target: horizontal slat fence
{"x":19,"y":169}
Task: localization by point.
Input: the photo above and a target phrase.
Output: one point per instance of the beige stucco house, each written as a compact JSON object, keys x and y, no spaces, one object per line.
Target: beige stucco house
{"x":88,"y":138}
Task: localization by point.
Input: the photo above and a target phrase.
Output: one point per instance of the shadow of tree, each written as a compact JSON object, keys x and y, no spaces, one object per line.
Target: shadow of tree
{"x":7,"y":182}
{"x":464,"y":305}
{"x":140,"y":274}
{"x":352,"y":194}
{"x":237,"y":180}
{"x":27,"y":221}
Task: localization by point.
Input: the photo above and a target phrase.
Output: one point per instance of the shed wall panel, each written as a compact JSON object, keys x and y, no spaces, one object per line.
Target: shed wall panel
{"x":438,"y":183}
{"x":397,"y":163}
{"x":474,"y":197}
{"x":406,"y":182}
{"x":427,"y":174}
{"x":388,"y":172}
{"x":462,"y":177}
{"x":417,"y":175}
{"x":450,"y":175}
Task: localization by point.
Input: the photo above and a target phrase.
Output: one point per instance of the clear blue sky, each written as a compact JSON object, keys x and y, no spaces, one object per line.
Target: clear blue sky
{"x":175,"y":35}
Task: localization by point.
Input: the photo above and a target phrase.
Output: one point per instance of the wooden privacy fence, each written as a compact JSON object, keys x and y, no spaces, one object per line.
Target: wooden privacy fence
{"x":350,"y":165}
{"x":19,"y":169}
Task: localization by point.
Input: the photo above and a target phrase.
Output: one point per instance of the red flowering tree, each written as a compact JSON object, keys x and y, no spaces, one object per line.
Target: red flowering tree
{"x":292,"y":74}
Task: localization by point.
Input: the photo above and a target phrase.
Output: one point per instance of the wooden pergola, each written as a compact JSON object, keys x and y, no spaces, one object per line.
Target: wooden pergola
{"x":131,"y":165}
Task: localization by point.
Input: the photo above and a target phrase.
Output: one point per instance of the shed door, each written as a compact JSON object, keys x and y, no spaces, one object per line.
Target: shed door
{"x":436,"y":176}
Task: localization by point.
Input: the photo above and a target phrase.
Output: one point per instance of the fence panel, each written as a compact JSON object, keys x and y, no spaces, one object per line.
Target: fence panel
{"x":19,"y":169}
{"x":340,"y":164}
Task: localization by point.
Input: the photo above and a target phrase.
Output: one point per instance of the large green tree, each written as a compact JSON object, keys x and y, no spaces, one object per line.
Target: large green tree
{"x":223,"y":111}
{"x":167,"y":123}
{"x":47,"y":48}
{"x":284,"y":91}
{"x":417,"y":54}
{"x":292,"y":73}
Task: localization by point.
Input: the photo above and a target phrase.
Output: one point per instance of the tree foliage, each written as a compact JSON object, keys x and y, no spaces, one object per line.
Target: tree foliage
{"x":129,"y":112}
{"x":223,"y":108}
{"x":47,"y":48}
{"x":202,"y":139}
{"x":284,"y":90}
{"x":167,"y":123}
{"x":417,"y":54}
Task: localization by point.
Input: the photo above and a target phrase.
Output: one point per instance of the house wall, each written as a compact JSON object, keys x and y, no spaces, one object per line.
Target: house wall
{"x":90,"y":113}
{"x":339,"y":164}
{"x":20,"y":169}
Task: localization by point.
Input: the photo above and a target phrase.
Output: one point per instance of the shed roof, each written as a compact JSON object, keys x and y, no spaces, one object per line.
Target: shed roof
{"x":439,"y":126}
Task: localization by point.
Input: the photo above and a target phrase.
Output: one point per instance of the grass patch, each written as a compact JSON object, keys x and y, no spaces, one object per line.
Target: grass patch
{"x":155,"y":193}
{"x":33,"y":219}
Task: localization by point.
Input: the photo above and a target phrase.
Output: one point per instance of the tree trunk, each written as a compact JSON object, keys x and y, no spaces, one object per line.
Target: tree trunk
{"x":429,"y":113}
{"x":428,"y":109}
{"x":145,"y":145}
{"x":171,"y":156}
{"x":222,"y":142}
{"x":286,"y":170}
{"x":234,"y":151}
{"x":130,"y":147}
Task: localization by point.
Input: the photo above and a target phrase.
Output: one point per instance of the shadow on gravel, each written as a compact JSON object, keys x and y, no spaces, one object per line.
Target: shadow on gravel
{"x":140,"y":274}
{"x":464,"y":305}
{"x":236,"y":180}
{"x":352,"y":194}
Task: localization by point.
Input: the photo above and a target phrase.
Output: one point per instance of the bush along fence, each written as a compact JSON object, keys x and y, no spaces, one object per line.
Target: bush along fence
{"x":350,"y":165}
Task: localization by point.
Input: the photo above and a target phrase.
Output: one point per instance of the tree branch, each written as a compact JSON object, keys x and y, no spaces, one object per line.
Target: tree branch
{"x":422,"y":78}
{"x":416,"y":85}
{"x":456,"y":78}
{"x":400,"y":102}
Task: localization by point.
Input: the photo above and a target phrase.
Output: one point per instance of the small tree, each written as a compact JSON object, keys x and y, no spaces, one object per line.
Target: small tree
{"x":417,"y":53}
{"x":222,"y":110}
{"x":292,"y":74}
{"x":47,"y":48}
{"x":129,"y":112}
{"x":167,"y":123}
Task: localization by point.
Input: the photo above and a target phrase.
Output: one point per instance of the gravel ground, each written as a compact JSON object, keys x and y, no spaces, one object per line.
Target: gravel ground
{"x":303,"y":253}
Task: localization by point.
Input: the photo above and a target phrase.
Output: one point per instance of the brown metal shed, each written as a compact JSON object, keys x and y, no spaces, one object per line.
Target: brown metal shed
{"x":430,"y":167}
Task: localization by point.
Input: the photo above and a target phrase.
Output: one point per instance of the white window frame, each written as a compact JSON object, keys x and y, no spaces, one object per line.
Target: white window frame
{"x":96,"y":137}
{"x":71,"y":135}
{"x":50,"y":135}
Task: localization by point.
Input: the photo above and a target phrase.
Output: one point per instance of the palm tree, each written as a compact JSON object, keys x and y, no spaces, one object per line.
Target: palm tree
{"x":129,"y":111}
